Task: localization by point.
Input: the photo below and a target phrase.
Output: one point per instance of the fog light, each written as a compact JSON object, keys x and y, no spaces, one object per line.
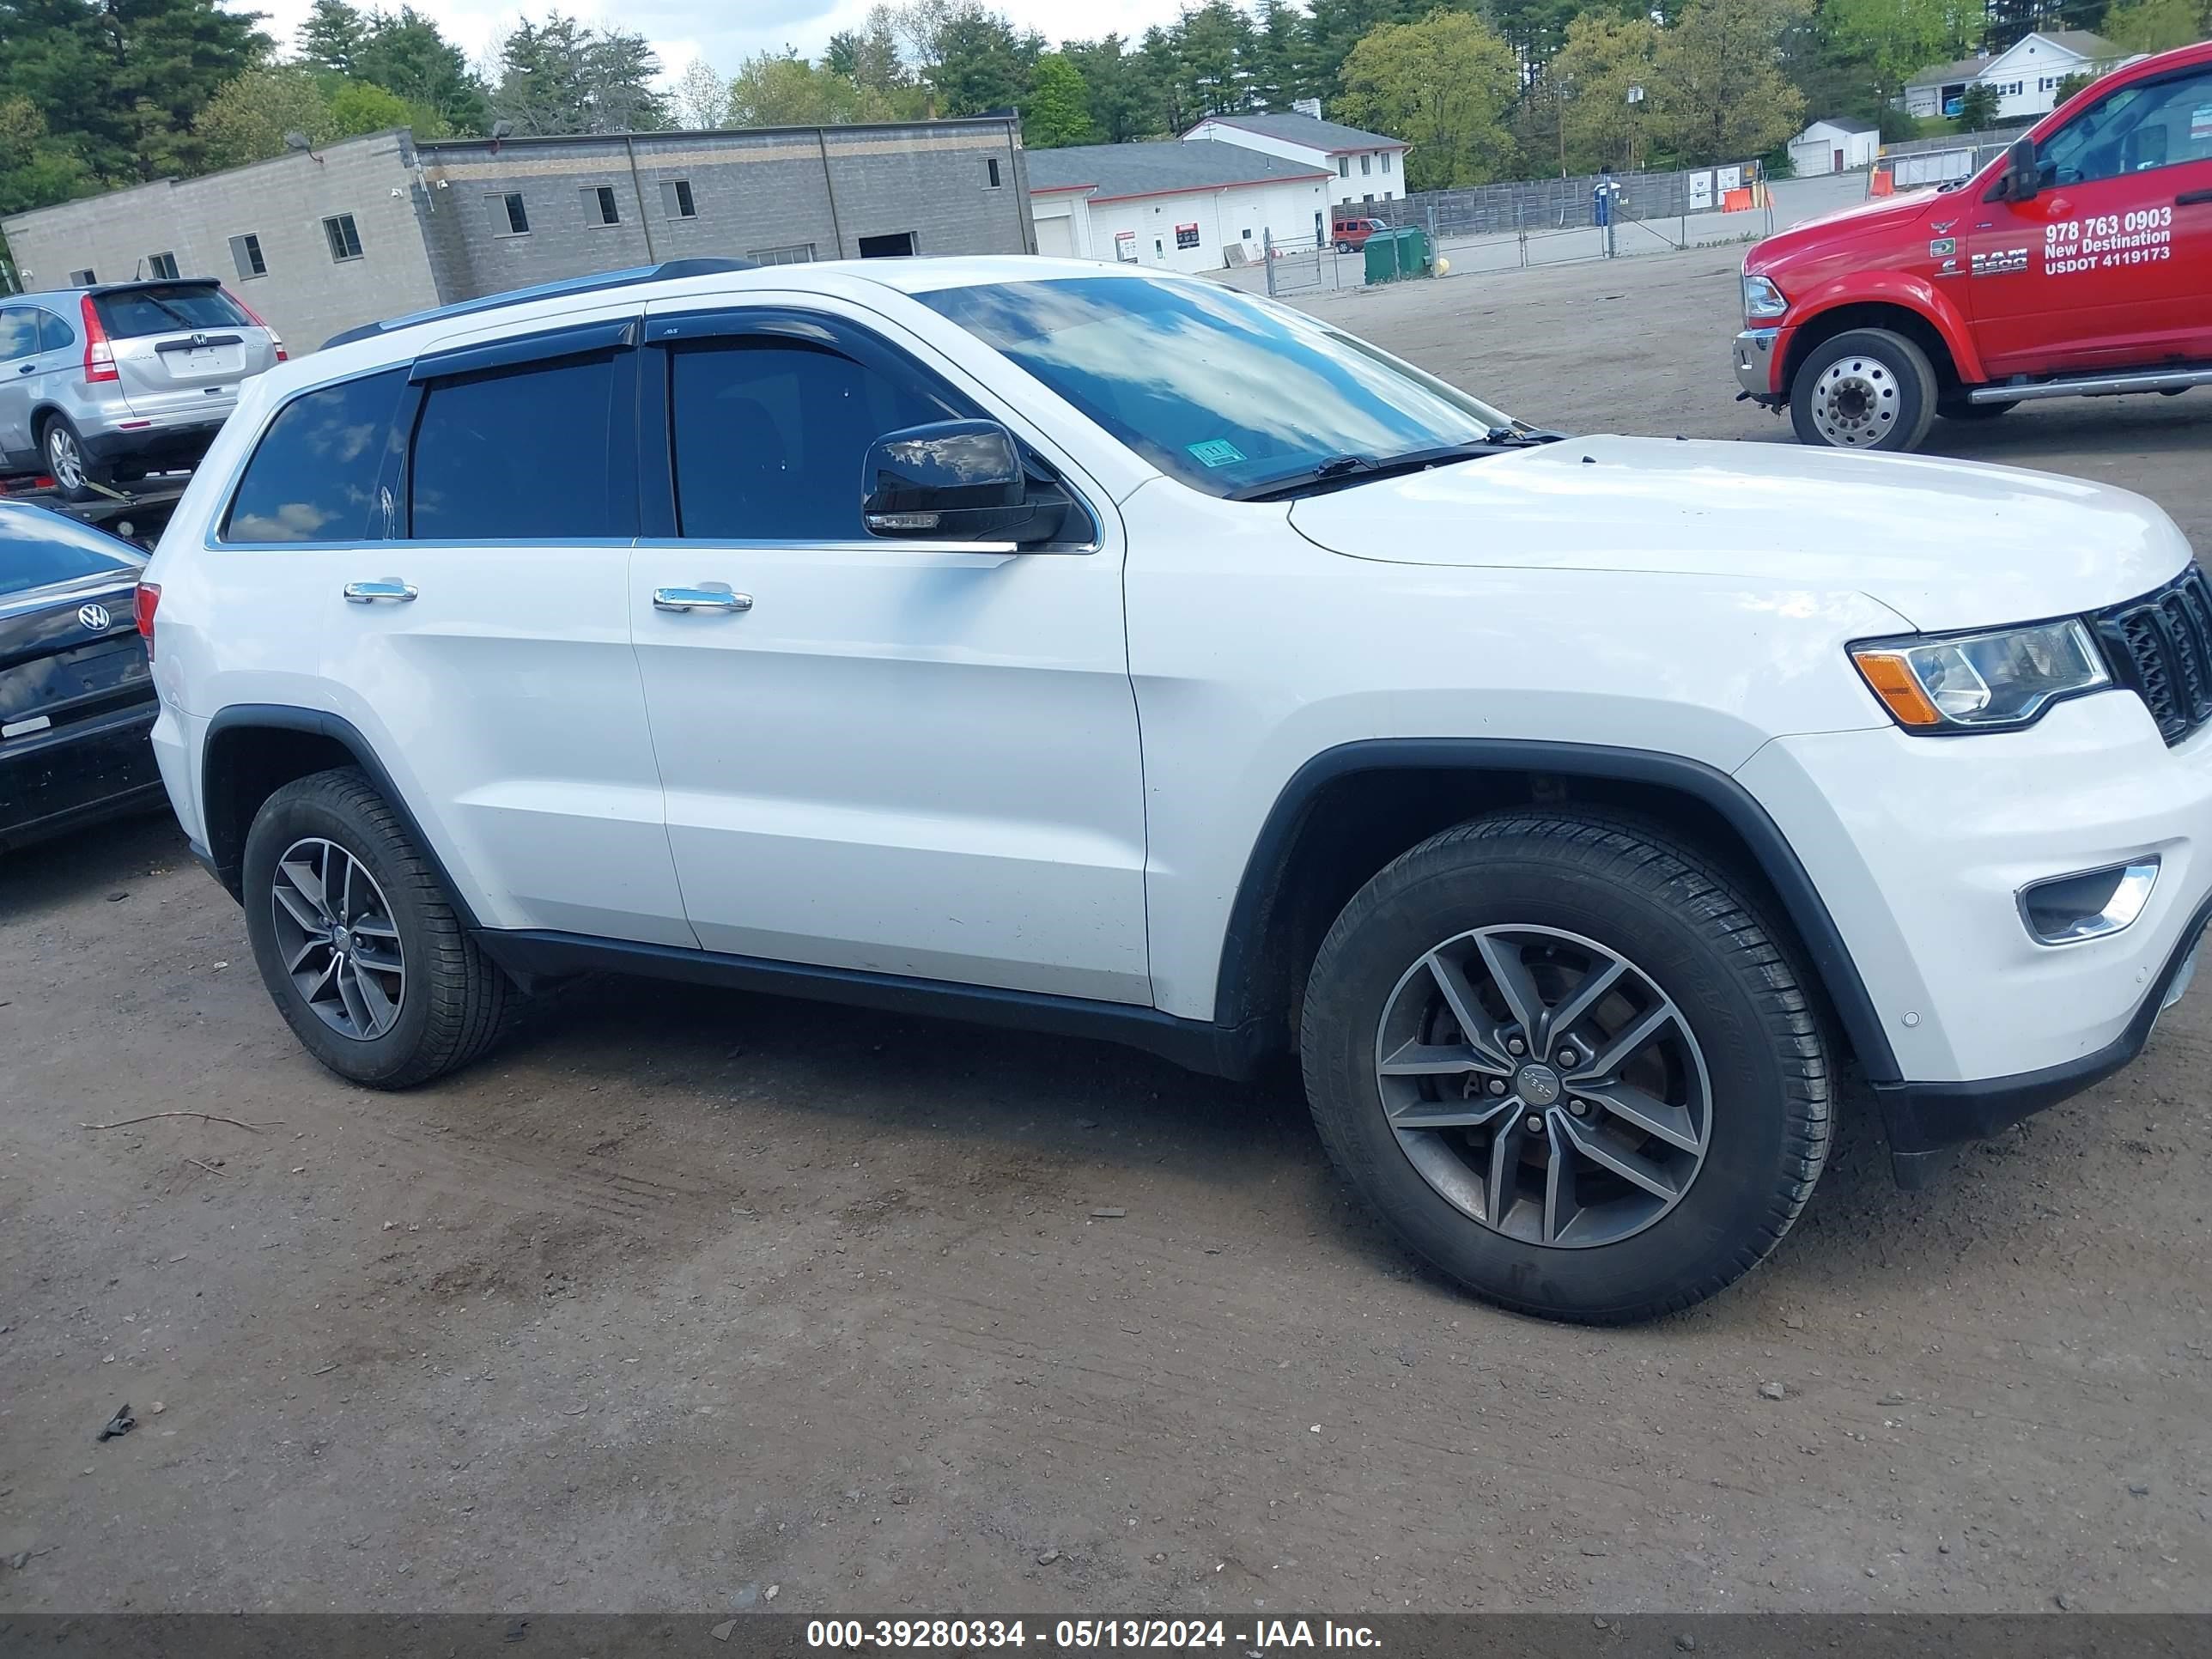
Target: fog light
{"x":2068,"y":909}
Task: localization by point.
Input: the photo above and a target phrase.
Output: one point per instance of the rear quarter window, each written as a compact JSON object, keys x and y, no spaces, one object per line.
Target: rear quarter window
{"x":38,"y":548}
{"x":167,"y":309}
{"x":314,"y":474}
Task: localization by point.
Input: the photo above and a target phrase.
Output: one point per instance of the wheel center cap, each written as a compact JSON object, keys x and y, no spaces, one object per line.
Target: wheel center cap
{"x":342,"y":941}
{"x":1538,"y":1085}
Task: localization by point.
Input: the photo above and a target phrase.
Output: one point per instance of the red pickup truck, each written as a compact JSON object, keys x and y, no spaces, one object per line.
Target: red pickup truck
{"x":2078,"y":264}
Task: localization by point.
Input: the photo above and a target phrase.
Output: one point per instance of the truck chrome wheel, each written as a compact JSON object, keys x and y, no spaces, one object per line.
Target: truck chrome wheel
{"x":1856,"y":403}
{"x":339,"y":940}
{"x":1544,"y":1085}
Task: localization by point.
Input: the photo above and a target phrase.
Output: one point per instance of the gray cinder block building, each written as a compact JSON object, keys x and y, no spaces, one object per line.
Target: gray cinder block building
{"x":380,"y":226}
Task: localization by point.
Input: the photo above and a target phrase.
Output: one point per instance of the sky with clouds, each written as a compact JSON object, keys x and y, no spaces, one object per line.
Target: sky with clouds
{"x":726,"y":32}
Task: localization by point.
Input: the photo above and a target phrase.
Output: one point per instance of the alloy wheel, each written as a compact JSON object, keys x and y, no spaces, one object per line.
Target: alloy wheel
{"x":62,"y":460}
{"x":339,"y":942}
{"x":1544,"y":1084}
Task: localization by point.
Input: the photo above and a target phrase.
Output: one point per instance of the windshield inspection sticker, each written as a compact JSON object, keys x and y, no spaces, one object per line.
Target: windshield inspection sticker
{"x":2200,"y":124}
{"x":1216,"y":452}
{"x":2140,"y":236}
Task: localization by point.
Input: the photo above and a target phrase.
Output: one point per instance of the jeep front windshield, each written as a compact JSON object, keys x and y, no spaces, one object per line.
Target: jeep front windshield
{"x":1223,"y":392}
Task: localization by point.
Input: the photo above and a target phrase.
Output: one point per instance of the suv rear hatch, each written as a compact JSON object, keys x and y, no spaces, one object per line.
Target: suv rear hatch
{"x":181,"y":347}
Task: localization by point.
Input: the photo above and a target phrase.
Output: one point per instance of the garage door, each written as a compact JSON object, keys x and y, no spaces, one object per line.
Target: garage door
{"x":1056,"y":236}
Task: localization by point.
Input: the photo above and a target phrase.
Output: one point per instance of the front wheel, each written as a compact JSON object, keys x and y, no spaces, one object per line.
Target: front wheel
{"x":1567,"y":1062}
{"x":1866,"y":389}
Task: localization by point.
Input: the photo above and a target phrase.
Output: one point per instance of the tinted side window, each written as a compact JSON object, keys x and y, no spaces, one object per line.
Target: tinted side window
{"x":54,"y":334}
{"x":313,"y":478}
{"x":518,"y":454}
{"x":2158,"y":124}
{"x":770,"y":437}
{"x":19,"y":334}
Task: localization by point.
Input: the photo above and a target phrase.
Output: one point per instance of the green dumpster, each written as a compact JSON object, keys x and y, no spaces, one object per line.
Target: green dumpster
{"x":1413,"y":257}
{"x":1381,"y":251}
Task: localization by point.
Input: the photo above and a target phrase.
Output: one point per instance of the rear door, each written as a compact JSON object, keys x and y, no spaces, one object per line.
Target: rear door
{"x":19,"y":349}
{"x":181,"y":348}
{"x":2110,"y":264}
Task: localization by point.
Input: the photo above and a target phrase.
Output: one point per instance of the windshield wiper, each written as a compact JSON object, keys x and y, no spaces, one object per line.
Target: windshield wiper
{"x":1340,"y":471}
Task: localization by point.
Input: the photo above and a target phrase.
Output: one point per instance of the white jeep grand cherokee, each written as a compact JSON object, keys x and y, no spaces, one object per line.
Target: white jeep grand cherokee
{"x":1117,"y":656}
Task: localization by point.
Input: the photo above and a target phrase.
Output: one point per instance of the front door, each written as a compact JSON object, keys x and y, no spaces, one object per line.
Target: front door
{"x":885,"y":755}
{"x":19,"y":364}
{"x":2109,"y":265}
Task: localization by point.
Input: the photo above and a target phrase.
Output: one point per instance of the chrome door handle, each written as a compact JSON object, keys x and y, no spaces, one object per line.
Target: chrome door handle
{"x":700,"y":598}
{"x":387,"y":588}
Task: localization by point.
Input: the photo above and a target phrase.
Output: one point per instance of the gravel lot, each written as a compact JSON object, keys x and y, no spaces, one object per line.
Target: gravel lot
{"x":686,"y":1295}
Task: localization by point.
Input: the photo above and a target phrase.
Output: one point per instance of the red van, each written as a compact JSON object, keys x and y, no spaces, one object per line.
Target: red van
{"x":2078,"y":264}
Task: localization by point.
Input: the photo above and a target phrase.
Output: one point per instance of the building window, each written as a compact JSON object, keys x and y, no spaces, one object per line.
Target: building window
{"x":344,"y":240}
{"x":676,"y":199}
{"x":161,"y":264}
{"x":797,"y":253}
{"x":1370,"y":196}
{"x":991,"y":171}
{"x":1386,"y":195}
{"x":599,"y":208}
{"x":1245,"y":235}
{"x":83,"y":278}
{"x":246,"y":254}
{"x":1386,"y":161}
{"x":1344,"y":166}
{"x":897,"y":246}
{"x":1367,"y":164}
{"x":508,"y":216}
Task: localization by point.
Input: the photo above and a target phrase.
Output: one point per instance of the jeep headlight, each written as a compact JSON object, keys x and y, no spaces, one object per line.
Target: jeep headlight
{"x":1981,"y":682}
{"x":1762,"y":300}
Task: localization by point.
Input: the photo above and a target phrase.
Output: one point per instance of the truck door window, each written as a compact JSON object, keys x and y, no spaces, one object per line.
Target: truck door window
{"x":2150,"y":125}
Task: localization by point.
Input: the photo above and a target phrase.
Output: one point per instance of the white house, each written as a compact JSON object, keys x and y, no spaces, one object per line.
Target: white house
{"x":1179,"y":206}
{"x":2025,"y":75}
{"x":1839,"y":144}
{"x":1368,"y":167}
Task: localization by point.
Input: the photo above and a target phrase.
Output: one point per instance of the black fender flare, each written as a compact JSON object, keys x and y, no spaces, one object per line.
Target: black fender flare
{"x":1778,"y":860}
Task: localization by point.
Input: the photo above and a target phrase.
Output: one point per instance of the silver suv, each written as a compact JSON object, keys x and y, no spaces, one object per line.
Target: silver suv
{"x":106,"y":384}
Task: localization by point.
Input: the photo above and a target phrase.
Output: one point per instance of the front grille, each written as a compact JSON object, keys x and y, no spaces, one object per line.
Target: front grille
{"x":2160,"y":647}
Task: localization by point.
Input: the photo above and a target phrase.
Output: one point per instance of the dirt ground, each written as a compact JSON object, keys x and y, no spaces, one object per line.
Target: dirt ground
{"x":687,"y":1301}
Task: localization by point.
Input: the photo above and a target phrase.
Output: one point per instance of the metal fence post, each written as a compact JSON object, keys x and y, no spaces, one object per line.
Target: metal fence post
{"x":1267,"y":254}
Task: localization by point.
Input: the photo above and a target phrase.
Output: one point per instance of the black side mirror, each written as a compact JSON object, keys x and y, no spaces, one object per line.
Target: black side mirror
{"x":958,"y":481}
{"x":2023,"y":174}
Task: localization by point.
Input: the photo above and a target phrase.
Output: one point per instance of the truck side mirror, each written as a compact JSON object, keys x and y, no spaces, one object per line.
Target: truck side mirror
{"x":2023,"y":174}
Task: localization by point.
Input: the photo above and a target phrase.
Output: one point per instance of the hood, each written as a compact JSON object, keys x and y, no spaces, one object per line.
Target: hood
{"x":1946,"y":544}
{"x":1876,"y":216}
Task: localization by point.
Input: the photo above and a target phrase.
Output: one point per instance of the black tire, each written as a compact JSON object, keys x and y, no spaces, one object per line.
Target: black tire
{"x":1885,"y":399}
{"x":62,"y":452}
{"x":1969,"y":413}
{"x":1628,"y":887}
{"x":455,"y":1003}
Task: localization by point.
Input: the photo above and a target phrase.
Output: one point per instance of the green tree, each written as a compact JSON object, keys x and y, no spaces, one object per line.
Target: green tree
{"x":1281,"y":66}
{"x":1218,"y":50}
{"x":1114,"y":80}
{"x":1978,"y":108}
{"x":869,"y":56}
{"x":1445,"y":85}
{"x":405,"y":52}
{"x":980,"y":63}
{"x":1338,"y":25}
{"x":361,"y":107}
{"x":700,"y":100}
{"x":1718,"y":93}
{"x":331,"y":37}
{"x":1589,"y":78}
{"x":1166,"y":84}
{"x":558,"y":77}
{"x":248,"y":117}
{"x":34,"y":170}
{"x":783,"y":90}
{"x":1058,"y":112}
{"x":1885,"y":41}
{"x":2158,"y":24}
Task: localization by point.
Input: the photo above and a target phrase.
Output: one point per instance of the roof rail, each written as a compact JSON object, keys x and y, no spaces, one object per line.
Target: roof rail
{"x":667,"y":269}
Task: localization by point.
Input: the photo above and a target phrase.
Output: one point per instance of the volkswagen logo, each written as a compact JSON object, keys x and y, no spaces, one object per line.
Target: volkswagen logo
{"x":95,"y":617}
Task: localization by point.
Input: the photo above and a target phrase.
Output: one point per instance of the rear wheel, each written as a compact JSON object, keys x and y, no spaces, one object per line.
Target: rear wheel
{"x":1566,"y":1062}
{"x":357,"y":940}
{"x":73,"y":471}
{"x":1866,"y":389}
